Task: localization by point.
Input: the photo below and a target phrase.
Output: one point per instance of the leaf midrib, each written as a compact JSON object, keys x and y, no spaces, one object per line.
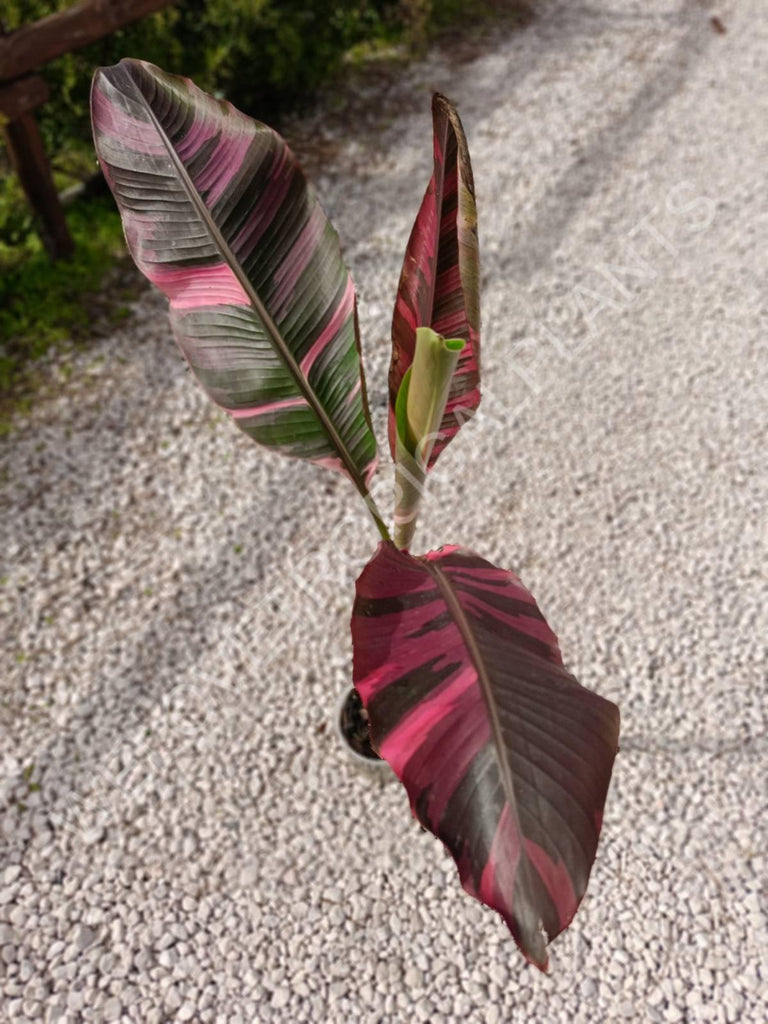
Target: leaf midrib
{"x":465,"y":629}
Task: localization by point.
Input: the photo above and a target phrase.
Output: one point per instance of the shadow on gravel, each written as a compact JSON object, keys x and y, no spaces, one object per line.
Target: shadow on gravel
{"x":371,"y":98}
{"x":569,"y":192}
{"x":161,"y":653}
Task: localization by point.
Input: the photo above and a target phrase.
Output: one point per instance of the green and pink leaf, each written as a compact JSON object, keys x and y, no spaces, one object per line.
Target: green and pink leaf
{"x":218,"y":215}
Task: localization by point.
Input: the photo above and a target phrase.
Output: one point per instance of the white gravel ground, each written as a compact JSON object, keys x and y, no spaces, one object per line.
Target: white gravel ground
{"x":182,"y":838}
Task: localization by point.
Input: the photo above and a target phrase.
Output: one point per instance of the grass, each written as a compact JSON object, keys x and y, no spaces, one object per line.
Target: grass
{"x":44,"y":304}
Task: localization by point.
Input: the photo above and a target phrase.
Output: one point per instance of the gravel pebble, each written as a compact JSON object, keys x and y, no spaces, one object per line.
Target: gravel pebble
{"x":280,"y":998}
{"x":112,"y":1009}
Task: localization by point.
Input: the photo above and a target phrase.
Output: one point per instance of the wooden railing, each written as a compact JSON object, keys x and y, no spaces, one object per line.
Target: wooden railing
{"x":22,"y":92}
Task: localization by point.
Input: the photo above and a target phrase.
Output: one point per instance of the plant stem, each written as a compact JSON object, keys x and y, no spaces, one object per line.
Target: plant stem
{"x":373,"y":508}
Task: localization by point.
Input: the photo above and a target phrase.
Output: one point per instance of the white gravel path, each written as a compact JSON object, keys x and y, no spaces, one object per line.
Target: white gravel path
{"x":182,"y":838}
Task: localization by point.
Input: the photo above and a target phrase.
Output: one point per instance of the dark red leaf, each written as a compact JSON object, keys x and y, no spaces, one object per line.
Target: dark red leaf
{"x":440,"y":280}
{"x":505,"y":756}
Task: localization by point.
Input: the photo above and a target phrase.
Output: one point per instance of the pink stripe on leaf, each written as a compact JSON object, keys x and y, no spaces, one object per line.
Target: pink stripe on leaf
{"x":340,"y":316}
{"x":269,"y":407}
{"x":192,"y":287}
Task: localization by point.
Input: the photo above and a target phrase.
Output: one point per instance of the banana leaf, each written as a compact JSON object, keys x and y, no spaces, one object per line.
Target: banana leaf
{"x":440,"y":280}
{"x":218,"y":215}
{"x":504,"y":755}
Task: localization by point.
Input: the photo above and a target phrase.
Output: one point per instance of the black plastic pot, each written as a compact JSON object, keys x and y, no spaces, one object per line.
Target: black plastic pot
{"x":351,"y":723}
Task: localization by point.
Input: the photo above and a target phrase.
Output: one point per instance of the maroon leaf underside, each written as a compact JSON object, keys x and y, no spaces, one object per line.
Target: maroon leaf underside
{"x":439,"y":283}
{"x":505,"y":757}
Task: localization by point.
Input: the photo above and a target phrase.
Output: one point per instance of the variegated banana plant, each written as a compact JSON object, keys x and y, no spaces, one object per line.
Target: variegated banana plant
{"x":504,"y":755}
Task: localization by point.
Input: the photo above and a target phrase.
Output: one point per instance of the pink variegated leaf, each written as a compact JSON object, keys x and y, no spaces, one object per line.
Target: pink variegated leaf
{"x":218,"y":215}
{"x":505,"y":756}
{"x":440,"y":280}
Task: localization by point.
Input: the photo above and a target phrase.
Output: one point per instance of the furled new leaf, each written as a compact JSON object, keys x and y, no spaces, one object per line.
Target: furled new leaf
{"x":218,"y":215}
{"x":505,"y":756}
{"x":440,"y":280}
{"x":418,"y":414}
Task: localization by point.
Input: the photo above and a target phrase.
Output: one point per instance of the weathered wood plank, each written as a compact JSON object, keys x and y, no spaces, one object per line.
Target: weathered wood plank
{"x":25,"y":146}
{"x":83,"y":23}
{"x":22,"y":96}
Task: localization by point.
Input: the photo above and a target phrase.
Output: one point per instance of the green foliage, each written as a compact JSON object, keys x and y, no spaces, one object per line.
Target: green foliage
{"x":42,"y":303}
{"x":16,"y":222}
{"x":265,"y":55}
{"x":65,"y":117}
{"x":17,"y":239}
